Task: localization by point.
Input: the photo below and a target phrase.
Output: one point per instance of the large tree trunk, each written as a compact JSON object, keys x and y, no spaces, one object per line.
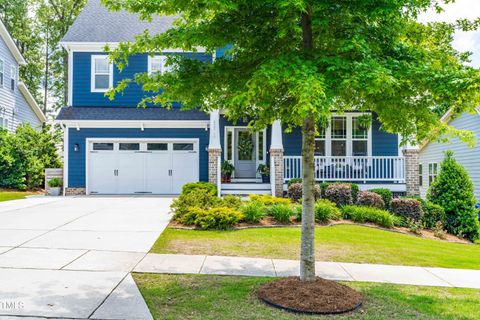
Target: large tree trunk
{"x":307,"y":255}
{"x":307,"y":252}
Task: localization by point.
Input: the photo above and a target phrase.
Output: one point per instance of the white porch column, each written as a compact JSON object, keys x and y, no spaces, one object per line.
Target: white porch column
{"x":214,"y":149}
{"x":276,"y":159}
{"x":412,"y":174}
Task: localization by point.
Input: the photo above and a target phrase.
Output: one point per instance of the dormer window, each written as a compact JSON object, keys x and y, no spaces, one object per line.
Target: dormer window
{"x":102,"y":73}
{"x":157,"y":64}
{"x":2,"y":72}
{"x":13,"y":78}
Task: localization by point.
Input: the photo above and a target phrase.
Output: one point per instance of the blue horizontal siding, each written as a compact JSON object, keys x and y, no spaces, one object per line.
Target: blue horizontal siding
{"x":82,"y":95}
{"x":76,"y":160}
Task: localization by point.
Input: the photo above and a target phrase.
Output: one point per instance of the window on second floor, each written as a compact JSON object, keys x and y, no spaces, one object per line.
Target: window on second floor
{"x":2,"y":72}
{"x":158,"y":64}
{"x":102,"y":74}
{"x":13,"y":78}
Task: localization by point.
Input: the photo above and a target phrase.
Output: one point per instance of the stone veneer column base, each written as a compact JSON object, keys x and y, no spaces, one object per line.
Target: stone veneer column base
{"x":412,"y":179}
{"x":75,"y":191}
{"x":277,"y":154}
{"x":214,"y":156}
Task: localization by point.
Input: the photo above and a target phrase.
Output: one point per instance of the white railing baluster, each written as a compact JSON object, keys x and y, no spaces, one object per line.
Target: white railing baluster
{"x":355,"y":169}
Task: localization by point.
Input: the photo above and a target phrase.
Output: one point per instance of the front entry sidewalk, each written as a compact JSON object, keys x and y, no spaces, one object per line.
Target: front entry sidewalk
{"x":241,"y":266}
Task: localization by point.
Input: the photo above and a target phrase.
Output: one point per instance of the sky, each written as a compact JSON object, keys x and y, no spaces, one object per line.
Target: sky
{"x":464,"y":41}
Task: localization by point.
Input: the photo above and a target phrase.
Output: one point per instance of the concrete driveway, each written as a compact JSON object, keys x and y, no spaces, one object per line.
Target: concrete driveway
{"x":70,"y":257}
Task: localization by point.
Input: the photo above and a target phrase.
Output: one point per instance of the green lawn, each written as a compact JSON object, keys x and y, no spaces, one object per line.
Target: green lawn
{"x":225,"y":297}
{"x":342,"y":243}
{"x":13,"y":195}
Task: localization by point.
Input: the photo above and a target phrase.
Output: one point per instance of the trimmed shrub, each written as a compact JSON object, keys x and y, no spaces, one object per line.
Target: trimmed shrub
{"x":221,"y":218}
{"x":326,"y":210}
{"x":353,"y":186}
{"x":252,"y":211}
{"x":281,"y":212}
{"x":200,"y":198}
{"x":231,"y":201}
{"x":370,"y":199}
{"x":453,"y":191}
{"x":407,"y":208}
{"x":340,"y":193}
{"x":432,"y":215}
{"x":295,"y":180}
{"x":367,"y":214}
{"x":295,"y":192}
{"x":190,"y":216}
{"x":386,"y":195}
{"x":269,"y":200}
{"x":194,"y":186}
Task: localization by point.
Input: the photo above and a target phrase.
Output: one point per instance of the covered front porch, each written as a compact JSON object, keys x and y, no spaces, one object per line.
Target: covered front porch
{"x":345,"y":152}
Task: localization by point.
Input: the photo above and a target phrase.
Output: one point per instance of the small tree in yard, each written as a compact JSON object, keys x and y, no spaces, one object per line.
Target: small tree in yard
{"x":453,"y":190}
{"x":298,"y":60}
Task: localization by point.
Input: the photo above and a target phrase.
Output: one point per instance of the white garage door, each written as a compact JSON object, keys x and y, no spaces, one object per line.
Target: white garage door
{"x":141,"y":167}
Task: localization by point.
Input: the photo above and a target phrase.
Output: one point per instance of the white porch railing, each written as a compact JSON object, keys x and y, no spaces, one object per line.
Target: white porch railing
{"x":360,"y":169}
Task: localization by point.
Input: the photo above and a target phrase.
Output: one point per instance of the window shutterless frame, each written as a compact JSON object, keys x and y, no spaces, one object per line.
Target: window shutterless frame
{"x":98,"y":72}
{"x":13,"y":78}
{"x":2,"y":72}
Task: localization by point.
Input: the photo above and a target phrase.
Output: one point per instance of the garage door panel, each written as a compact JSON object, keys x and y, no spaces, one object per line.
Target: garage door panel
{"x":102,"y":177}
{"x":131,"y":174}
{"x":184,"y":169}
{"x":157,"y":167}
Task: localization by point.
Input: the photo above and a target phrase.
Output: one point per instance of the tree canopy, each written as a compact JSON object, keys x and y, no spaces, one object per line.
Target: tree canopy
{"x":366,"y":55}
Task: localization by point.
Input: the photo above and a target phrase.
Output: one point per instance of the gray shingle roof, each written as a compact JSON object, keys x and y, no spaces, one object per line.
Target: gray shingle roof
{"x":96,"y":24}
{"x":140,"y":114}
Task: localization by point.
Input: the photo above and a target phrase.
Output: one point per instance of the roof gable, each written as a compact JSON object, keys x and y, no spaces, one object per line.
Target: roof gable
{"x":96,"y":24}
{"x":12,"y":46}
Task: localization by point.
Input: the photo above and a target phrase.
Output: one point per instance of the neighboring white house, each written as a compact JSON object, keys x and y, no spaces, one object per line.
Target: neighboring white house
{"x":17,"y":105}
{"x":432,"y":153}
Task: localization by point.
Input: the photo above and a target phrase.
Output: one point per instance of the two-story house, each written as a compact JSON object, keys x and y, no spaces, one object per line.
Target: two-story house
{"x":17,"y":104}
{"x":112,"y":147}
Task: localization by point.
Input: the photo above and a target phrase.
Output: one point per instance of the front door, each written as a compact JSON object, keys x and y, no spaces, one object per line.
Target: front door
{"x":245,"y":154}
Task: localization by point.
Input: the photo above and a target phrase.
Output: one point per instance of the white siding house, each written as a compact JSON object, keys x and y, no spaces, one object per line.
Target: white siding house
{"x":432,"y":153}
{"x":17,"y":105}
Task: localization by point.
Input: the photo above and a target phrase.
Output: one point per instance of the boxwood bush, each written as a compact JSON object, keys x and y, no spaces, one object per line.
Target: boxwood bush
{"x":453,"y":191}
{"x":367,"y":214}
{"x":370,"y":199}
{"x":200,"y":198}
{"x":432,"y":215}
{"x":220,"y":218}
{"x":326,"y":210}
{"x":194,"y":186}
{"x":386,"y":195}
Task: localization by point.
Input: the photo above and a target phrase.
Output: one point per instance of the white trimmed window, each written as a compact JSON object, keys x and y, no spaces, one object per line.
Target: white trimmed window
{"x":3,"y":123}
{"x":346,"y":136}
{"x":13,"y":77}
{"x":432,"y":172}
{"x":102,"y":73}
{"x":2,"y":72}
{"x":157,"y":64}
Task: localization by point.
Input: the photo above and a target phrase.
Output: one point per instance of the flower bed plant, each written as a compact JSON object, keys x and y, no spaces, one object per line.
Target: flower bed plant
{"x":367,"y":214}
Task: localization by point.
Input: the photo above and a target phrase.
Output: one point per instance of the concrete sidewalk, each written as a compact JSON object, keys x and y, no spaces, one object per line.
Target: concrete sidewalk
{"x":240,"y":266}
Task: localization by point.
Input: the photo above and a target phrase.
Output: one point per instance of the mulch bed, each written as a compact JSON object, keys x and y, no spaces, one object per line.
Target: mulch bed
{"x":314,"y":297}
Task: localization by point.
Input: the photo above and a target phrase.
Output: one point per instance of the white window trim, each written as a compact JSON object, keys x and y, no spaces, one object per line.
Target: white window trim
{"x":92,"y":74}
{"x":163,"y":58}
{"x":432,"y":175}
{"x":328,"y":135}
{"x":3,"y":72}
{"x":13,"y":76}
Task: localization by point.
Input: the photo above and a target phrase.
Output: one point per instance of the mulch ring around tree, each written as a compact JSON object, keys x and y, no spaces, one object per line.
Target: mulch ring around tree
{"x":313,"y":297}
